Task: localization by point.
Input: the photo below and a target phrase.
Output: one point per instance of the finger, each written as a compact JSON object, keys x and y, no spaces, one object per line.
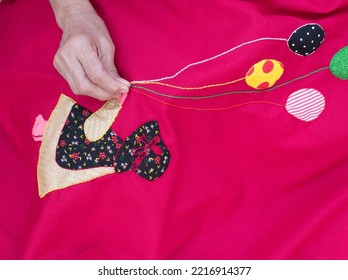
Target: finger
{"x":85,"y":86}
{"x":107,"y":56}
{"x":96,"y":73}
{"x":122,"y":83}
{"x":80,"y":84}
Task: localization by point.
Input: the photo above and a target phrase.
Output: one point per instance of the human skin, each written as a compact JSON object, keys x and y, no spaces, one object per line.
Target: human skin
{"x":85,"y":57}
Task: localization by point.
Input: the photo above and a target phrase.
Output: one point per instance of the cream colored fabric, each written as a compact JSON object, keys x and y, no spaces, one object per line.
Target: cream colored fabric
{"x":50,"y":175}
{"x":99,"y":122}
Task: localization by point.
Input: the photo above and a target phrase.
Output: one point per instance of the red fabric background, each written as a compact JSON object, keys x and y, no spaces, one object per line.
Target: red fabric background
{"x":247,"y":183}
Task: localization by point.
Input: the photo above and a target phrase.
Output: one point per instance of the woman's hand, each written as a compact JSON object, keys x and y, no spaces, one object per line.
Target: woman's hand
{"x":85,"y":57}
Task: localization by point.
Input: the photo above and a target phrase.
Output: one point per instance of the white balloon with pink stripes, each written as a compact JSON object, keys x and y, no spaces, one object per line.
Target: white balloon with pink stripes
{"x":305,"y":104}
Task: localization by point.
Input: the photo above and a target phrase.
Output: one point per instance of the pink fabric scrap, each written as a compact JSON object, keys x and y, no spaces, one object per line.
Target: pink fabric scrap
{"x":39,"y":128}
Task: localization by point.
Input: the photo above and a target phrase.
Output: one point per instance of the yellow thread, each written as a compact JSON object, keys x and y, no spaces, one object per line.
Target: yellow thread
{"x":209,"y":109}
{"x":187,"y":88}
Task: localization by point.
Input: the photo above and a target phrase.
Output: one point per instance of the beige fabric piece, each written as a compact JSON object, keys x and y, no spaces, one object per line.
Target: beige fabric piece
{"x":99,"y":122}
{"x":50,"y":175}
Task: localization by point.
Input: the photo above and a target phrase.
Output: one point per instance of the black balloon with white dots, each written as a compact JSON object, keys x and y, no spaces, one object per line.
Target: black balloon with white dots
{"x":306,"y":39}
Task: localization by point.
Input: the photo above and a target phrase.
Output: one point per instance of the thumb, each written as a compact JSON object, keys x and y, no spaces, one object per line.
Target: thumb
{"x":123,"y":85}
{"x":109,"y":66}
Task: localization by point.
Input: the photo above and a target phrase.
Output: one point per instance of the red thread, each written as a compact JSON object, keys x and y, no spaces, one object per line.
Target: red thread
{"x":143,"y":151}
{"x":207,"y":109}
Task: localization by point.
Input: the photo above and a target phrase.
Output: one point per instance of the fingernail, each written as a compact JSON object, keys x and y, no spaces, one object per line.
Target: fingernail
{"x":124,"y":82}
{"x":121,"y":98}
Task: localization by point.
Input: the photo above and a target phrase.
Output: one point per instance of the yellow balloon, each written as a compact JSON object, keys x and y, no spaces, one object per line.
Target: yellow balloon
{"x":264,"y":74}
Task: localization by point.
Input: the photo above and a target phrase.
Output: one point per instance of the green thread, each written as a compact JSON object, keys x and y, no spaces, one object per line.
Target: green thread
{"x":339,"y":64}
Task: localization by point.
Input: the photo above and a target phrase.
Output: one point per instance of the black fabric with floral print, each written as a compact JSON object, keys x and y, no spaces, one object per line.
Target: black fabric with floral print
{"x":144,"y":153}
{"x":75,"y":151}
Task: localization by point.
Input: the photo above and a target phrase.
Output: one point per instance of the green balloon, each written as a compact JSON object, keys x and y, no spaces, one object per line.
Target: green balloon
{"x":339,"y":64}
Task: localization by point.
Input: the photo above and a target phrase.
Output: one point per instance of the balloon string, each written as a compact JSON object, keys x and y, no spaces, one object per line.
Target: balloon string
{"x":207,"y":109}
{"x":191,"y":88}
{"x":209,"y":59}
{"x":229,"y":92}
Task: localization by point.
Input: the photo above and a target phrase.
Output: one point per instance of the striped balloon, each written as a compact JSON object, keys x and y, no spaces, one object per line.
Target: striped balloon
{"x":305,"y":104}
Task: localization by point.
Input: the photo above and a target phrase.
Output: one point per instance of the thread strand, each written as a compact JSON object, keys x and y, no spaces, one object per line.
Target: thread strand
{"x":208,"y":109}
{"x":194,"y":88}
{"x":229,"y":92}
{"x":208,"y":59}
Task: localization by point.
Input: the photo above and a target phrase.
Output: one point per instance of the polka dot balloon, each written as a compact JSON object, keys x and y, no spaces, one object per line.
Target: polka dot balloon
{"x":264,"y":74}
{"x":306,"y":39}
